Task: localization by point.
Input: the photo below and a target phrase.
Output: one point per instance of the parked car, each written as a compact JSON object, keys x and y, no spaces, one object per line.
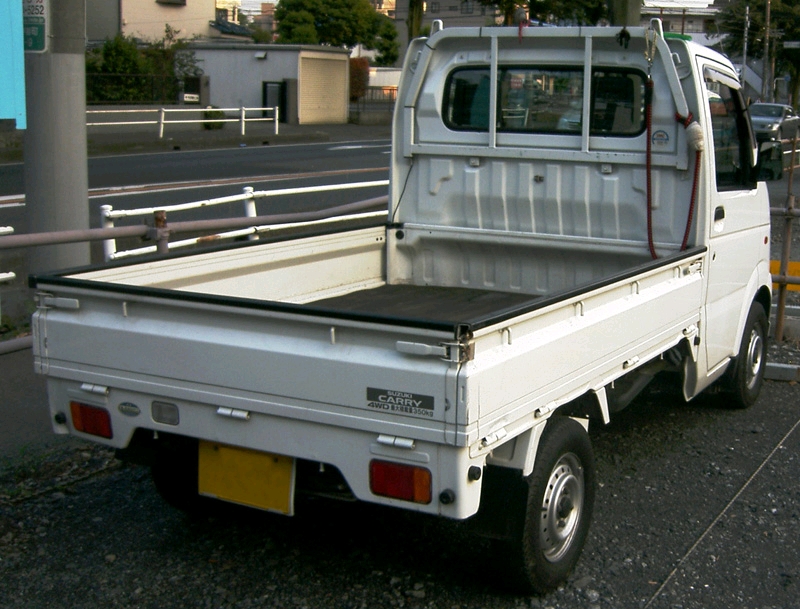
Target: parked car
{"x":773,"y":121}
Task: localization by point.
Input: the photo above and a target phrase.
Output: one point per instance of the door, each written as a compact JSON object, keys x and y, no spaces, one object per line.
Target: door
{"x":739,"y":211}
{"x":273,"y":95}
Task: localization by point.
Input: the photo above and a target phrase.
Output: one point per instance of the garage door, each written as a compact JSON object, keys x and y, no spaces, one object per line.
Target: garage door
{"x":323,"y":90}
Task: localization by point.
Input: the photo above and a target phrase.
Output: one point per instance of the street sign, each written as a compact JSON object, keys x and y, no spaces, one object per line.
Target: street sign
{"x":35,"y":14}
{"x":791,"y":44}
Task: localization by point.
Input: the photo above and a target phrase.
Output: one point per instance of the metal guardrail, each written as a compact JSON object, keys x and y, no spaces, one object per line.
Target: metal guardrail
{"x":7,"y":277}
{"x":108,"y":214}
{"x":161,"y":231}
{"x":162,"y":120}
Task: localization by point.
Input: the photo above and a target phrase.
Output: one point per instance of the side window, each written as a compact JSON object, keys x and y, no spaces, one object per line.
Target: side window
{"x":732,"y":140}
{"x":617,"y":103}
{"x":466,"y":100}
{"x":545,"y":100}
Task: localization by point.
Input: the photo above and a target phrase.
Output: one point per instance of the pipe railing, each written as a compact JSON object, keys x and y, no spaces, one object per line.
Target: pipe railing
{"x":162,"y":120}
{"x":161,"y":231}
{"x":248,"y":197}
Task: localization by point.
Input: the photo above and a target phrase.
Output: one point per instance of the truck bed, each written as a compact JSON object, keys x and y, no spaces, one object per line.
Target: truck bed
{"x":430,"y":303}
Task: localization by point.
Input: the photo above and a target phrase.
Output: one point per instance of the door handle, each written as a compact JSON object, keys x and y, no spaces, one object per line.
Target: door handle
{"x":719,"y":214}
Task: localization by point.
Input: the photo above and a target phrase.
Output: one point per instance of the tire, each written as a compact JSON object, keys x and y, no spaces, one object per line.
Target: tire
{"x":747,"y":370}
{"x":558,"y":510}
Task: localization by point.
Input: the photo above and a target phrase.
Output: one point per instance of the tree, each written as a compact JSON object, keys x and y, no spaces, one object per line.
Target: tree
{"x":126,"y":70}
{"x":385,"y":41}
{"x":296,"y":27}
{"x":338,"y":23}
{"x":784,"y":20}
{"x":260,"y":35}
{"x":577,"y":12}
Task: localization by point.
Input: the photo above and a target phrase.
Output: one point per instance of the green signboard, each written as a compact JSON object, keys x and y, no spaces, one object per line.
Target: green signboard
{"x":34,"y":25}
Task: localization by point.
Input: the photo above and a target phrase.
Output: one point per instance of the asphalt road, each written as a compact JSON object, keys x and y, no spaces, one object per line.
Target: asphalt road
{"x":202,"y":165}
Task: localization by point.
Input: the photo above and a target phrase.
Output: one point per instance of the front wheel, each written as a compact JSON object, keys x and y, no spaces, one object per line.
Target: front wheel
{"x":747,"y":370}
{"x":559,"y":507}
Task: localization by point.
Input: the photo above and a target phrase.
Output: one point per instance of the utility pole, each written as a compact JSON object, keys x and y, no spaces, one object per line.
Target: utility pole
{"x":625,"y":12}
{"x":744,"y":46}
{"x":766,"y":85}
{"x":56,"y":175}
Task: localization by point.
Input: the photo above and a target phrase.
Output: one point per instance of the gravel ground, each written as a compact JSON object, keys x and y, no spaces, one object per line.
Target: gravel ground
{"x":697,"y":507}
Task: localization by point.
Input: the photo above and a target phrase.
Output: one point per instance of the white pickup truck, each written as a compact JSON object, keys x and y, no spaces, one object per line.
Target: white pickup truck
{"x":571,"y":211}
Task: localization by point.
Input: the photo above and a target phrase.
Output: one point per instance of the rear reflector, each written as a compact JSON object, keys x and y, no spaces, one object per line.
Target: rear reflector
{"x":397,"y":481}
{"x":165,"y":412}
{"x":91,"y":419}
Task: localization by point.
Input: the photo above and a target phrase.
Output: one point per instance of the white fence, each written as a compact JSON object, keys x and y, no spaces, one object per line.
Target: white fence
{"x":162,"y":119}
{"x":247,"y":198}
{"x":6,"y":277}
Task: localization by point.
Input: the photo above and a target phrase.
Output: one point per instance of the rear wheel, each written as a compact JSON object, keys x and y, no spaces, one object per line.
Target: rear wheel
{"x":558,"y":510}
{"x":747,"y":371}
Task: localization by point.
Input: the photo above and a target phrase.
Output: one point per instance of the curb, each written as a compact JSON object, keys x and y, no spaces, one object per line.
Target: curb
{"x":782,"y":372}
{"x":16,"y":344}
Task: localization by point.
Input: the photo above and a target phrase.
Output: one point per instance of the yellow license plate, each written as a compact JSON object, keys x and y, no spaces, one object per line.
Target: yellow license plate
{"x":248,"y":477}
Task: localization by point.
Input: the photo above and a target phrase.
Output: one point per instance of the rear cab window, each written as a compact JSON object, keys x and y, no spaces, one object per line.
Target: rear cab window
{"x":546,"y":100}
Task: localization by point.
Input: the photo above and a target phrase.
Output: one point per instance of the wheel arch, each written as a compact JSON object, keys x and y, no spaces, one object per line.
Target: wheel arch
{"x":519,"y":453}
{"x":762,"y":295}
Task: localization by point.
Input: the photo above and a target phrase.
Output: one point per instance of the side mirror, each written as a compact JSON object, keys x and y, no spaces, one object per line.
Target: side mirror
{"x":769,"y":165}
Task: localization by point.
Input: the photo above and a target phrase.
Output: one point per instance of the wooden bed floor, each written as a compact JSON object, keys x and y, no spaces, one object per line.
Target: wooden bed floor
{"x":443,"y":304}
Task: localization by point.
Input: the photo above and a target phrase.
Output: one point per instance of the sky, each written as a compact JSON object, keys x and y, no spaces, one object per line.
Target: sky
{"x":252,"y":6}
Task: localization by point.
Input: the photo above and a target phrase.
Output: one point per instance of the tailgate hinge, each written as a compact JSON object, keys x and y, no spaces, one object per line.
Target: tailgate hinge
{"x":48,"y":301}
{"x":694,"y":267}
{"x":451,"y":352}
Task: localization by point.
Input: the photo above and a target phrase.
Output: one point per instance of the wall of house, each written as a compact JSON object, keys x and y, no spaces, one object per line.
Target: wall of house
{"x":102,"y":20}
{"x":146,"y":19}
{"x":317,"y":78}
{"x":236,"y":72}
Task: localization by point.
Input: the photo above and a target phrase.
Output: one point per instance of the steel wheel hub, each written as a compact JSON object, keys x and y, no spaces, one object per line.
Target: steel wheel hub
{"x":754,"y":358}
{"x":562,"y":507}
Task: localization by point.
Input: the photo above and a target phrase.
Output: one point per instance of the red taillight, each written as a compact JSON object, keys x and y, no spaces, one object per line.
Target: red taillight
{"x":404,"y":482}
{"x":91,"y":419}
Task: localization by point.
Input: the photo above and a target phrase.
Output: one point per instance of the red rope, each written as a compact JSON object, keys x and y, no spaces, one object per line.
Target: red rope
{"x":686,"y":121}
{"x":692,"y":201}
{"x":648,"y":158}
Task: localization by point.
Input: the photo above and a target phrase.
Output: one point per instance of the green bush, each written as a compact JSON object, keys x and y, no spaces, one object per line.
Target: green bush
{"x":359,"y":77}
{"x":212,"y":114}
{"x":125,"y":70}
